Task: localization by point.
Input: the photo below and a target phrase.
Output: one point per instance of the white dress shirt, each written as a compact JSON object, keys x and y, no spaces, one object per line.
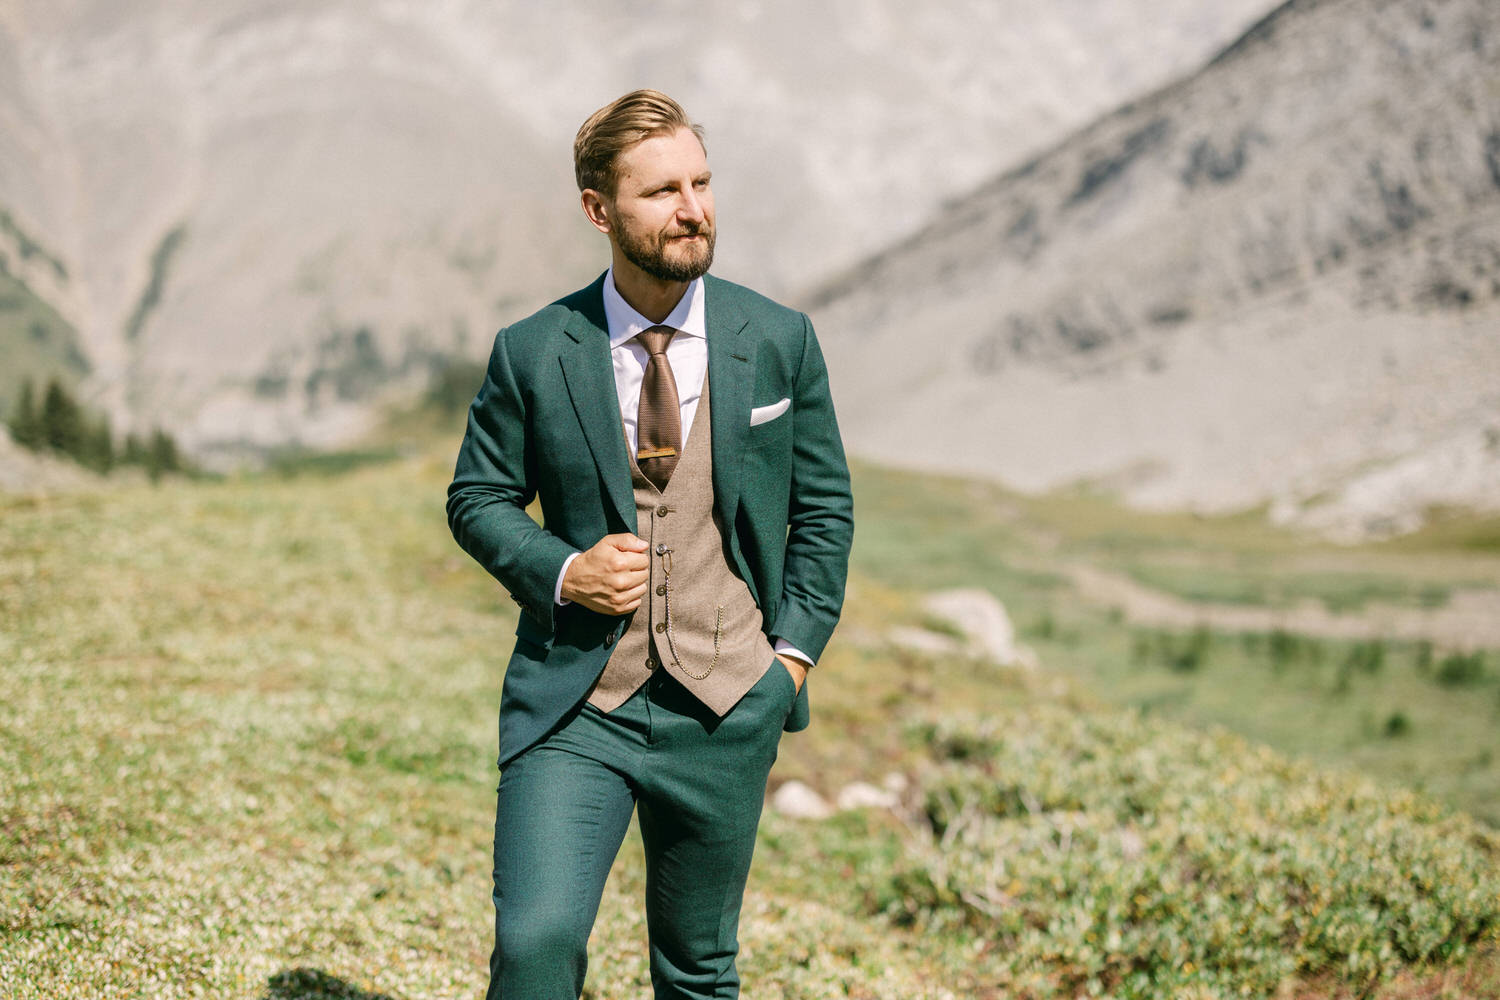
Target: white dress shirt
{"x":687,"y":353}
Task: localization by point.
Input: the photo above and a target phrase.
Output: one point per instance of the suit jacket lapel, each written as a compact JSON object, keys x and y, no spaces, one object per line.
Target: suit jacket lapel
{"x":731,"y":369}
{"x":590,"y":377}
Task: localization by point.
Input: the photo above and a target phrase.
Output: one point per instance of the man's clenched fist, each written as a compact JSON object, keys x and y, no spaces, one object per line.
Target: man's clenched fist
{"x":609,"y":578}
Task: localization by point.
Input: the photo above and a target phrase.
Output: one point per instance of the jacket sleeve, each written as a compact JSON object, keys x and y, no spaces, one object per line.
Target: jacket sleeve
{"x":493,"y":482}
{"x":820,"y":516}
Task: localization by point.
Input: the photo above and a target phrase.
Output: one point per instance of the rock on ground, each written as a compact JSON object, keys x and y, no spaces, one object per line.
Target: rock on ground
{"x":983,"y":620}
{"x":799,"y":801}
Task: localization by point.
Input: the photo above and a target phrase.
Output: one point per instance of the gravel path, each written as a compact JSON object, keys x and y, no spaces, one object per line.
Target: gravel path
{"x":1471,"y":619}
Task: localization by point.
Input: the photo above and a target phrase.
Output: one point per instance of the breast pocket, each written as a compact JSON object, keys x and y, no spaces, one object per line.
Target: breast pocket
{"x":771,"y":436}
{"x":771,"y":411}
{"x":768,"y":467}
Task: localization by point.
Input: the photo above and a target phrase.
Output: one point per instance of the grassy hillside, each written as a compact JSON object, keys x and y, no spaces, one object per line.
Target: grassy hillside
{"x":247,"y":751}
{"x":1421,"y":711}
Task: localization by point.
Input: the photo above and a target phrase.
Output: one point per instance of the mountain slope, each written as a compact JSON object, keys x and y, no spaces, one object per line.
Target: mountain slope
{"x":273,"y":213}
{"x":37,"y":343}
{"x":1276,"y":280}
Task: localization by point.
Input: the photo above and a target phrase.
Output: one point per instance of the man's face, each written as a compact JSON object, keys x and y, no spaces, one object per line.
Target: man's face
{"x":662,"y":214}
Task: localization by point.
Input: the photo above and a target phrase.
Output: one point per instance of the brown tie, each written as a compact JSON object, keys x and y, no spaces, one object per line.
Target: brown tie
{"x":658,"y":422}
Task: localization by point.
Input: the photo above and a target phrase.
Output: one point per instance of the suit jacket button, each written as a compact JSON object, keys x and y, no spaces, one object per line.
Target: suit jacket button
{"x":609,"y":640}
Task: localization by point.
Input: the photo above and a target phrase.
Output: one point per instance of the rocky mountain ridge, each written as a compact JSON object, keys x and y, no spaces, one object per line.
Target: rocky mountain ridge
{"x":1275,"y":282}
{"x":272,"y":215}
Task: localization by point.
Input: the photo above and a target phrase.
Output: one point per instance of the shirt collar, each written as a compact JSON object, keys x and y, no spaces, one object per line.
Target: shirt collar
{"x":624,"y":322}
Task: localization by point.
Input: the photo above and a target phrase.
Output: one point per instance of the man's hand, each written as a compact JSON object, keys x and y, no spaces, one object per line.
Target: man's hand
{"x":796,"y":668}
{"x":609,"y":578}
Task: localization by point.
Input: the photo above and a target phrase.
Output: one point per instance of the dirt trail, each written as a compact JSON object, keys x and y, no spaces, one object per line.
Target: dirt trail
{"x":1471,"y":619}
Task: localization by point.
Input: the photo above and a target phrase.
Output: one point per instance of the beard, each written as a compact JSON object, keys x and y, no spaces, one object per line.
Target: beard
{"x":651,"y":254}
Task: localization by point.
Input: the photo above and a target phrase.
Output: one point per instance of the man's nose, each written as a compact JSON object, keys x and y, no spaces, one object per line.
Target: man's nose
{"x":690,"y":208}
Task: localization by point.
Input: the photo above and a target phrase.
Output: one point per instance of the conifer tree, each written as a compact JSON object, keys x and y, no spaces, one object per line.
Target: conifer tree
{"x":161,"y":455}
{"x":62,"y":425}
{"x":99,"y":446}
{"x":25,"y":422}
{"x":134,"y":452}
{"x":62,"y":421}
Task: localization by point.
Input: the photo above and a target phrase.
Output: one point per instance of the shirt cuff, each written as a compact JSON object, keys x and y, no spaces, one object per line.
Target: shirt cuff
{"x":557,"y":597}
{"x":783,"y":648}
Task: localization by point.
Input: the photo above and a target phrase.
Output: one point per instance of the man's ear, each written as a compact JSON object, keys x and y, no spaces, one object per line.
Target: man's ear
{"x":596,"y":209}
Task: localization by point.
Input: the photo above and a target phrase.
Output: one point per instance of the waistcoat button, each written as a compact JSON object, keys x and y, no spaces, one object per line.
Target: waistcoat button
{"x":661,"y":548}
{"x":661,"y":590}
{"x":661,"y":626}
{"x":663,"y":510}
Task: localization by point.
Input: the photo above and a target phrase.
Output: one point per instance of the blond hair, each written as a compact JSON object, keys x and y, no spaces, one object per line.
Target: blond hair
{"x":616,"y":127}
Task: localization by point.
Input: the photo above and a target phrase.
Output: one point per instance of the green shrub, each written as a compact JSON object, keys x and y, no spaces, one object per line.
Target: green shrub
{"x":1422,"y":658}
{"x":1114,"y":854}
{"x":1461,"y":669}
{"x":1185,"y":655}
{"x":1285,"y":648}
{"x":1366,"y":657}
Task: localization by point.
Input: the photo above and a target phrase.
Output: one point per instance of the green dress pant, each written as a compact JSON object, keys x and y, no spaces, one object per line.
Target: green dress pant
{"x":562,"y":811}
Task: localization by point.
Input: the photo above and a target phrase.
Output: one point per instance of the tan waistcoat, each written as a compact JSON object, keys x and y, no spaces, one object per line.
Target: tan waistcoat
{"x":698,"y":620}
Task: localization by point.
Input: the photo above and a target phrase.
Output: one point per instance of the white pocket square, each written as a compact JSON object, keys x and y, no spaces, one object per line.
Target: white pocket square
{"x":762,"y":414}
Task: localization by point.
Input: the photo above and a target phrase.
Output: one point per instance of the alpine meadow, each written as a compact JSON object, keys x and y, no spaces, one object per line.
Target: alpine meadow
{"x":1162,"y":340}
{"x":248,"y":748}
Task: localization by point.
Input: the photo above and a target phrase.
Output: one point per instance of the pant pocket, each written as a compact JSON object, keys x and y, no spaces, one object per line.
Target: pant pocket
{"x":790,"y":686}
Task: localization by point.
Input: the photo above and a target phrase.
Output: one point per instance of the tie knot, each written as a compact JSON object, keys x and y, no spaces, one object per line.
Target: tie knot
{"x":656,"y":338}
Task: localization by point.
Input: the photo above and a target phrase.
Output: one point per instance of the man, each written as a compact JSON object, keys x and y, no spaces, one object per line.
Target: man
{"x":679,"y":434}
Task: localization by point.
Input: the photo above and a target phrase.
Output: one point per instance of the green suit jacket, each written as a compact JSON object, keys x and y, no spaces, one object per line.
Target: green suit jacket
{"x":546,"y":424}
